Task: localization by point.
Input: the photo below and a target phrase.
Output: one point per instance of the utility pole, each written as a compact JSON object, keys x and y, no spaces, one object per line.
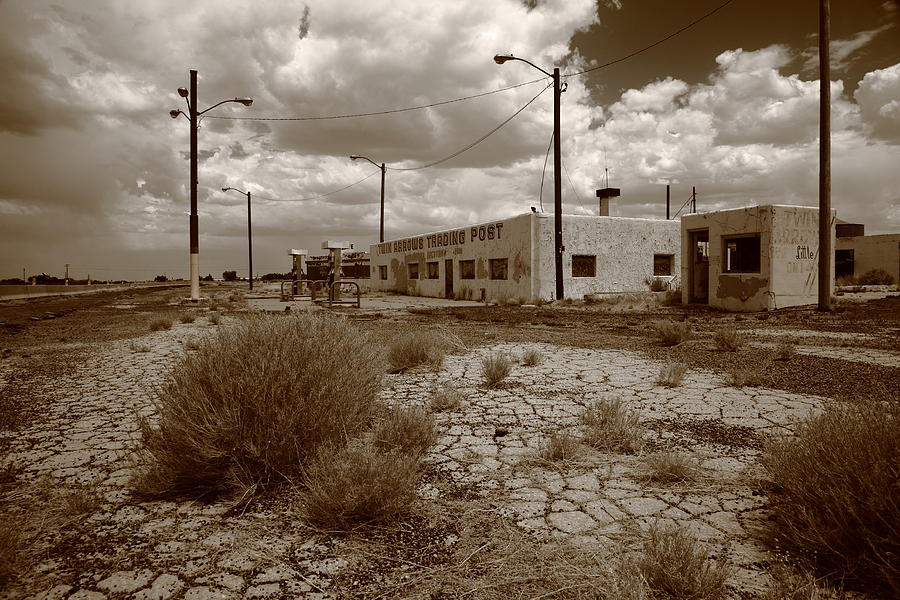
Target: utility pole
{"x":693,"y":199}
{"x":667,"y":201}
{"x":381,"y":220}
{"x":557,"y":189}
{"x":249,"y":242}
{"x":825,"y":251}
{"x":194,"y":222}
{"x":67,"y":273}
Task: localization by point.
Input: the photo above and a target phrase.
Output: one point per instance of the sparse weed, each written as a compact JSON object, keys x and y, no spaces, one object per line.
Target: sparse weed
{"x":160,"y":323}
{"x":495,"y":367}
{"x":357,"y":485}
{"x":785,"y":350}
{"x":749,"y":375}
{"x":670,"y":467}
{"x":656,"y":284}
{"x":532,"y":357}
{"x":446,"y":400}
{"x":609,"y":426}
{"x":416,"y":348}
{"x":407,"y":430}
{"x":138,"y":347}
{"x":192,"y":344}
{"x":671,"y":333}
{"x":875,"y":277}
{"x":80,"y":499}
{"x":675,"y":565}
{"x":187,"y":318}
{"x":793,"y":584}
{"x":256,"y":403}
{"x":729,"y":339}
{"x":671,"y":374}
{"x":835,"y":496}
{"x":560,"y":446}
{"x":10,"y":550}
{"x":214,"y":317}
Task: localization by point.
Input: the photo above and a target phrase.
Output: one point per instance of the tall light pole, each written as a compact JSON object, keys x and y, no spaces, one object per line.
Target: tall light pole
{"x":249,"y":232}
{"x":381,"y":166}
{"x":192,"y":115}
{"x":557,"y":160}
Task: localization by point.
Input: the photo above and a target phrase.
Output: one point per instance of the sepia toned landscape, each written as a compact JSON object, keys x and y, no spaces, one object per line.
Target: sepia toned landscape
{"x":415,"y":448}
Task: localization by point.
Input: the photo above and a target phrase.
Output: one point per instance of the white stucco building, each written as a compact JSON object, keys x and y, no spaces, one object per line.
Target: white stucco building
{"x":750,"y":259}
{"x":514,"y":258}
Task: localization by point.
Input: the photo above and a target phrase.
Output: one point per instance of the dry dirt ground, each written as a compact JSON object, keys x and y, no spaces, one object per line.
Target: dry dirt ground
{"x":492,"y":521}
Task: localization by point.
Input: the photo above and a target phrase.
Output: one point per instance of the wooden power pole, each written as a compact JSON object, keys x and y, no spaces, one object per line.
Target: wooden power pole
{"x":826,"y":254}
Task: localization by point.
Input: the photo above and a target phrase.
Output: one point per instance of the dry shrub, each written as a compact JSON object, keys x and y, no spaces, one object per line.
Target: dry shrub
{"x":495,"y":367}
{"x":560,"y":446}
{"x":610,"y":427}
{"x":160,"y":323}
{"x":656,"y":284}
{"x":875,"y":277}
{"x":187,"y":318}
{"x":532,"y":358}
{"x":675,"y":565}
{"x":10,"y":550}
{"x":257,"y":402}
{"x":358,"y":485}
{"x":138,"y":347}
{"x":671,"y":333}
{"x":729,"y":339}
{"x":785,"y":350}
{"x":744,"y":374}
{"x":836,"y":497}
{"x":670,"y":467}
{"x":446,"y":399}
{"x":417,"y":348}
{"x":406,"y":430}
{"x":214,"y":317}
{"x":671,"y":374}
{"x":790,"y":583}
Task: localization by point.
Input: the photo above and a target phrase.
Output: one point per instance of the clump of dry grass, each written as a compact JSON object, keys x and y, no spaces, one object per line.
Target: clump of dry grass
{"x":751,"y":375}
{"x":609,"y":426}
{"x":728,"y":339}
{"x":835,"y":494}
{"x":407,"y":430}
{"x":255,"y":404}
{"x":790,"y":583}
{"x":560,"y":446}
{"x":10,"y":550}
{"x":214,"y":317}
{"x":671,"y":333}
{"x":675,"y":565}
{"x":495,"y":367}
{"x":160,"y":323}
{"x":670,"y":467}
{"x":446,"y":399}
{"x":138,"y":347}
{"x":671,"y":374}
{"x":532,"y":357}
{"x":417,"y":348}
{"x":187,"y":318}
{"x":785,"y":350}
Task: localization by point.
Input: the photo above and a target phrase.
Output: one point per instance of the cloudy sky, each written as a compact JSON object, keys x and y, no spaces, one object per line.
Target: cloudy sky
{"x":95,"y":173}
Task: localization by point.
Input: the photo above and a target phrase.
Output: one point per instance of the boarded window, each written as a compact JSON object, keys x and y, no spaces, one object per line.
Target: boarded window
{"x":584,"y":265}
{"x":413,"y":270}
{"x":741,"y":254}
{"x":498,"y":268}
{"x":432,"y":270}
{"x":467,"y":269}
{"x":663,"y":264}
{"x":382,"y":272}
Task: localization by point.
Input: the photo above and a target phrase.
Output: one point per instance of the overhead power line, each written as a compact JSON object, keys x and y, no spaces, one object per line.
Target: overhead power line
{"x":380,"y":112}
{"x":325,"y":195}
{"x":654,"y":44}
{"x":476,"y":142}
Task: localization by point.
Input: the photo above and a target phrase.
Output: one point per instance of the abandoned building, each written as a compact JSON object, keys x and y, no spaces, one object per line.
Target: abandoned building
{"x":856,"y":253}
{"x":514,"y":258}
{"x":751,"y":259}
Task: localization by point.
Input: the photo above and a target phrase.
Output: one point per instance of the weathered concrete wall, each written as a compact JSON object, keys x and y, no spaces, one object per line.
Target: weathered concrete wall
{"x":787,"y":273}
{"x":624,"y":248}
{"x":873,"y":252}
{"x":508,"y":239}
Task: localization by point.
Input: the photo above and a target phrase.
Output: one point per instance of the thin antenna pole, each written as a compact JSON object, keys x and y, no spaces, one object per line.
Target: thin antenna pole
{"x":693,"y":199}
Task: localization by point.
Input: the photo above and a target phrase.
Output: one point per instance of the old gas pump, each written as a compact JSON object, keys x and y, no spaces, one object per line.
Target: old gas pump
{"x":298,"y":269}
{"x":334,"y":268}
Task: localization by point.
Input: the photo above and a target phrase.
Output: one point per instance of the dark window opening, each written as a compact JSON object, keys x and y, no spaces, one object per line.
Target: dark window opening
{"x":843,"y":263}
{"x":432,"y":270}
{"x":498,"y":268}
{"x":741,"y":254}
{"x":584,"y":265}
{"x":467,"y":269}
{"x":413,"y":270}
{"x":663,"y":264}
{"x":382,"y":272}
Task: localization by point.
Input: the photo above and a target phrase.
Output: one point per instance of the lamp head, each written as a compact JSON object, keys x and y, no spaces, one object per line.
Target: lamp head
{"x":183,"y":92}
{"x":174,"y":113}
{"x":244,"y":101}
{"x":502,"y":58}
{"x":225,"y":189}
{"x":355,"y":156}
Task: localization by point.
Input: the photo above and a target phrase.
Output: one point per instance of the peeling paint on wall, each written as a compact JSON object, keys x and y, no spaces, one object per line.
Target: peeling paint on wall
{"x":740,"y":287}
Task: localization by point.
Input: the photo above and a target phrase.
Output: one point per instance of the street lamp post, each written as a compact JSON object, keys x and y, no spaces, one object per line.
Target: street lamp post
{"x":192,"y":115}
{"x":557,"y":160}
{"x":381,"y":166}
{"x":249,"y":232}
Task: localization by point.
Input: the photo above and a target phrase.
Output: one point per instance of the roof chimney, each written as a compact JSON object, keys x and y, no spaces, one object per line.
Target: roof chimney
{"x":605,"y":194}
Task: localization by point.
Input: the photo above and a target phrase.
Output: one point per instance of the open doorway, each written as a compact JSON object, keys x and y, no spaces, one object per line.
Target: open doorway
{"x":698,"y":271}
{"x":448,"y":278}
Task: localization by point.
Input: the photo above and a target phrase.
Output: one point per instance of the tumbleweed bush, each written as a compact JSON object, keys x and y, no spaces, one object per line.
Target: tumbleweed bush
{"x":417,"y":348}
{"x":160,"y":323}
{"x":532,"y":357}
{"x":671,"y":333}
{"x":670,"y":467}
{"x":255,"y":403}
{"x":729,"y":339}
{"x":495,"y":367}
{"x":675,"y":565}
{"x":837,"y":492}
{"x":407,"y":430}
{"x":446,"y":399}
{"x":671,"y":374}
{"x":609,"y":426}
{"x":560,"y":446}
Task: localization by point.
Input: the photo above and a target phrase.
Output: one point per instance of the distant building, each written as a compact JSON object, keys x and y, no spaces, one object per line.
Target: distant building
{"x":514,"y":258}
{"x":750,"y":259}
{"x":856,"y":253}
